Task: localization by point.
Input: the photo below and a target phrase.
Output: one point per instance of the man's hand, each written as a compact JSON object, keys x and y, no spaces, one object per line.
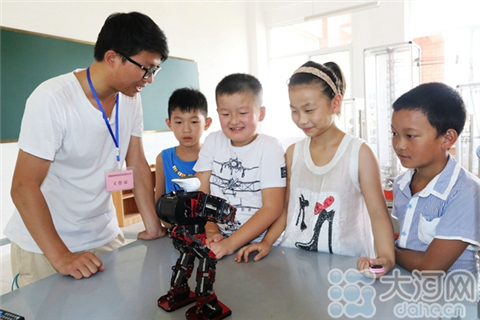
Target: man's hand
{"x":159,"y":233}
{"x":78,"y":265}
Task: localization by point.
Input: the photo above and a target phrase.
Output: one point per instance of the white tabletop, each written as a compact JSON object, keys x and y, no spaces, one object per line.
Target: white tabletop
{"x":287,"y":284}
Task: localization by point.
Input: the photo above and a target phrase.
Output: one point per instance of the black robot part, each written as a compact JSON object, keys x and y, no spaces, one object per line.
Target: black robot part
{"x":185,"y":208}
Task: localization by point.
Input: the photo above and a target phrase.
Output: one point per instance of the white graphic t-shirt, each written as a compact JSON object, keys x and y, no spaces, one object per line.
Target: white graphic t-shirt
{"x":240,"y":173}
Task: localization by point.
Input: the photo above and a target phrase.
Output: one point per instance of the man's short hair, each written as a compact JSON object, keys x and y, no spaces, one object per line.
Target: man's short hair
{"x":130,"y":33}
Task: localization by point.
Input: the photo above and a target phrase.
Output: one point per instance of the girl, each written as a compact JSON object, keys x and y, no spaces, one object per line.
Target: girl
{"x":334,"y":195}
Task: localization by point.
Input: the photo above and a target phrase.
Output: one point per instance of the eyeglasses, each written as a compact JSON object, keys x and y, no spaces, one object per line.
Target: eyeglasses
{"x":148,"y":71}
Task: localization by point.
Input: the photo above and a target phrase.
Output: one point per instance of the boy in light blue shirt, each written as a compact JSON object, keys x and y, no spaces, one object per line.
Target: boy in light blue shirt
{"x":436,"y":202}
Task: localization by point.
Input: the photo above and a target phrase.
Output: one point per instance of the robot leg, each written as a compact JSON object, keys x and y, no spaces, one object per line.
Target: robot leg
{"x":207,"y":306}
{"x":179,"y":294}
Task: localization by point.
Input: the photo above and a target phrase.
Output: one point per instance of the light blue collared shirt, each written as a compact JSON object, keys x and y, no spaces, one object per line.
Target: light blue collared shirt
{"x":448,"y":208}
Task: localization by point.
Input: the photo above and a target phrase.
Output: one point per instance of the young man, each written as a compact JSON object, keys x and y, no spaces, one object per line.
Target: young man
{"x":76,"y":128}
{"x":436,"y":202}
{"x":242,"y":166}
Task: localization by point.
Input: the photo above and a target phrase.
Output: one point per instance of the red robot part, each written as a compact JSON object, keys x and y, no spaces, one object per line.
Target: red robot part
{"x":166,"y":303}
{"x":179,"y":294}
{"x":208,"y":309}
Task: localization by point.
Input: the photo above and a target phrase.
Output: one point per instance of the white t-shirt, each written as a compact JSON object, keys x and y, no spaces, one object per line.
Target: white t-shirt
{"x":326,"y":210}
{"x":240,"y":173}
{"x":61,"y":125}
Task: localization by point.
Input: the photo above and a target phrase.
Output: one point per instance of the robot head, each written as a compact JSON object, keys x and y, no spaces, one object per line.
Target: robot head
{"x":179,"y":207}
{"x":193,"y":207}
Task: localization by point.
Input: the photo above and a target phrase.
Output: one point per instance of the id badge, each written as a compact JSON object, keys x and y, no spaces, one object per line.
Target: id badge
{"x":119,"y":180}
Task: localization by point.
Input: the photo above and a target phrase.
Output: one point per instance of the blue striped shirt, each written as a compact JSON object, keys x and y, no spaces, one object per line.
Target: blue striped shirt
{"x":448,"y":208}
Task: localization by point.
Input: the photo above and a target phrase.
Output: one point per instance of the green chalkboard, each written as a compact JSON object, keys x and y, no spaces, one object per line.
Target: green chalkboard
{"x":27,"y":59}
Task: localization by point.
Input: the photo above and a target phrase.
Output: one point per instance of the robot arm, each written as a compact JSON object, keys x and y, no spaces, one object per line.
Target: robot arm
{"x":216,"y":209}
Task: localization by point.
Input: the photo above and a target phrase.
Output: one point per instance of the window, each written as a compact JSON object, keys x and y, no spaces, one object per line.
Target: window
{"x":451,"y":56}
{"x":449,"y":39}
{"x":290,"y":46}
{"x":450,"y":43}
{"x":310,"y":36}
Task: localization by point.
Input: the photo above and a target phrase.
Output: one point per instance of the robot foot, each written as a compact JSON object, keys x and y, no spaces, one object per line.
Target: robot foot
{"x":170,"y":302}
{"x":213,"y":310}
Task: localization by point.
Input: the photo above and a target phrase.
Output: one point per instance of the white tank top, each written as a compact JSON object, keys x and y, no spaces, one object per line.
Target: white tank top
{"x":326,"y":210}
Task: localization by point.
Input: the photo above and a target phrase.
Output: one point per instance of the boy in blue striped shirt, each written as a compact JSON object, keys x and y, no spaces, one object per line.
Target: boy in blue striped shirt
{"x":436,"y":202}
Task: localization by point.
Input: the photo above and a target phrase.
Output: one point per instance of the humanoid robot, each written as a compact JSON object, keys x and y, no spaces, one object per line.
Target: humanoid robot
{"x":188,"y":211}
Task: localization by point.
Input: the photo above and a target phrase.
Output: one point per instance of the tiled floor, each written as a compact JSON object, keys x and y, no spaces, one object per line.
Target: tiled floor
{"x":130,"y":233}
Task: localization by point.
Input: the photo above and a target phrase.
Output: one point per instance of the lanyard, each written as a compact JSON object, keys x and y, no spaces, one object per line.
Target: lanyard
{"x":115,"y":140}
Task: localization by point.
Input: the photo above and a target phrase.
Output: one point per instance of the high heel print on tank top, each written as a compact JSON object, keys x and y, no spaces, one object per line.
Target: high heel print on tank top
{"x":323,"y":215}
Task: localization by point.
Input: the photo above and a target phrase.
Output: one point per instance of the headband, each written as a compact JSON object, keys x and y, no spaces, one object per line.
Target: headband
{"x":322,"y":75}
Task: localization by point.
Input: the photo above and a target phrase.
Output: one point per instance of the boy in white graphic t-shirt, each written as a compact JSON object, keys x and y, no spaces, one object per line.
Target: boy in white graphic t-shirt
{"x":242,"y":166}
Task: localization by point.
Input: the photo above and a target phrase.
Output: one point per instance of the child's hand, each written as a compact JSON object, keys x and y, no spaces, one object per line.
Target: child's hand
{"x":262,"y":248}
{"x":221,"y":248}
{"x":364,"y":263}
{"x":213,"y":238}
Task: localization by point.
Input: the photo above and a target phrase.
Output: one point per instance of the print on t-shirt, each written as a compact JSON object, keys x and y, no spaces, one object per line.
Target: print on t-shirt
{"x":233,"y":185}
{"x":323,"y":215}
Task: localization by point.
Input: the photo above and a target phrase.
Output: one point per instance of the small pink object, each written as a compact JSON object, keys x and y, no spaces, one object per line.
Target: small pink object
{"x":376,"y":268}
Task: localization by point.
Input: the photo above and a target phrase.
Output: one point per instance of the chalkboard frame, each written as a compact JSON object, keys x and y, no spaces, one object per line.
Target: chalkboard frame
{"x":29,"y":58}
